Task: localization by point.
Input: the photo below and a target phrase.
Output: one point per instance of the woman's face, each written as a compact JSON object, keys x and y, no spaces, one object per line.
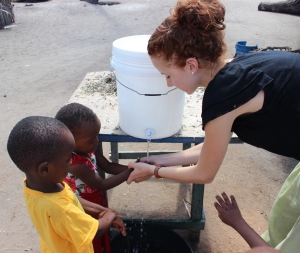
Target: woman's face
{"x":181,"y":78}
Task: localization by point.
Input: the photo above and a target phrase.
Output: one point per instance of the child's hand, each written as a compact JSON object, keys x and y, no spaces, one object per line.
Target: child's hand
{"x":117,"y":214}
{"x":101,"y":214}
{"x":228,"y":210}
{"x":119,"y":225}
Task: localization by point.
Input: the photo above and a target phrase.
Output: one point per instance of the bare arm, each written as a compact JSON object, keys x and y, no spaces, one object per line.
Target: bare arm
{"x":230,"y":214}
{"x":105,"y":223}
{"x":107,"y":217}
{"x":93,"y":180}
{"x":212,"y":151}
{"x":91,"y":208}
{"x":109,"y":167}
{"x":186,"y":157}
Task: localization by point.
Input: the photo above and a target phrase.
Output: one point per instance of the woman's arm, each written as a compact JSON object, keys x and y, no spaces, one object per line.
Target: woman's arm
{"x":92,"y":179}
{"x":186,"y":157}
{"x":210,"y":156}
{"x":217,"y":136}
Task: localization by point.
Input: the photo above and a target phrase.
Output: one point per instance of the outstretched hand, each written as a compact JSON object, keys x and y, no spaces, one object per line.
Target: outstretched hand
{"x":228,"y":210}
{"x":230,"y":214}
{"x":142,"y":171}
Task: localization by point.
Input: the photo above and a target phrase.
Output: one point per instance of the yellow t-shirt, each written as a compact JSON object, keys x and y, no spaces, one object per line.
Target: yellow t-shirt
{"x":60,"y":220}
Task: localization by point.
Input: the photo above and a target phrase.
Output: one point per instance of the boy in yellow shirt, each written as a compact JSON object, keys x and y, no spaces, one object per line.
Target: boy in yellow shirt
{"x":41,"y":147}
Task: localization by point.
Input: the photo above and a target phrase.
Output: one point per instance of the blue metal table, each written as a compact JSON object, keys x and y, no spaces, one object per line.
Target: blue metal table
{"x":197,"y":221}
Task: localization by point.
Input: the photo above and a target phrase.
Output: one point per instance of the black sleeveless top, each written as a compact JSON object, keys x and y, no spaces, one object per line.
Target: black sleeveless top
{"x":276,"y":127}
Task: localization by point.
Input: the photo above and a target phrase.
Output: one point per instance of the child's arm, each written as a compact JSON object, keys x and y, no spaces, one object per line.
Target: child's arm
{"x":93,"y":180}
{"x":109,"y":167}
{"x":92,"y":208}
{"x":108,"y":219}
{"x":230,"y":214}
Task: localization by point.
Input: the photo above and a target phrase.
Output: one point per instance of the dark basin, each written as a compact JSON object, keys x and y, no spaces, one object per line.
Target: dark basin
{"x":149,"y":239}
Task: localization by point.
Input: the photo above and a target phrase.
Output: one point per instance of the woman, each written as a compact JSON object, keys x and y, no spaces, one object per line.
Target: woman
{"x":256,"y":95}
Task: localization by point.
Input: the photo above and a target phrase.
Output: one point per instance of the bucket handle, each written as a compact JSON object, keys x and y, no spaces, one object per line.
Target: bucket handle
{"x":153,"y":95}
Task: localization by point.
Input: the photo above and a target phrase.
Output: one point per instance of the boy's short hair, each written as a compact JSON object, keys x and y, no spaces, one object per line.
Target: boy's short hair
{"x":34,"y":140}
{"x":74,"y":114}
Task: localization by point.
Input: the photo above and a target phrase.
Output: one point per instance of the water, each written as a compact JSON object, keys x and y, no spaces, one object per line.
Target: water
{"x":148,"y":145}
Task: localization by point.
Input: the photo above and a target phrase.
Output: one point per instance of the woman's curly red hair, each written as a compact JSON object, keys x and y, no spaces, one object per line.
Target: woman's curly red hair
{"x":194,"y":29}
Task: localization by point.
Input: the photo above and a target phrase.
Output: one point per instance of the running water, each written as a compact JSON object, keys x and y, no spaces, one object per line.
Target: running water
{"x":148,"y":145}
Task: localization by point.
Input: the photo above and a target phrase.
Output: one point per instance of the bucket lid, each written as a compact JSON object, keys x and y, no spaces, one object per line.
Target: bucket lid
{"x":130,"y":56}
{"x":132,"y":49}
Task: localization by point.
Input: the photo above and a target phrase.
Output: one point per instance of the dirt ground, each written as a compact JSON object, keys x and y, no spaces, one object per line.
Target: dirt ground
{"x":45,"y":57}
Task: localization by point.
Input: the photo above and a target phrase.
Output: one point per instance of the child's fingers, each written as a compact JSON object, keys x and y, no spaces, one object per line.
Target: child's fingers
{"x":226,"y":199}
{"x":220,"y":200}
{"x":130,"y":165}
{"x":120,"y":228}
{"x":233,"y":201}
{"x":101,"y":214}
{"x":217,"y":206}
{"x":130,"y":179}
{"x":123,"y":231}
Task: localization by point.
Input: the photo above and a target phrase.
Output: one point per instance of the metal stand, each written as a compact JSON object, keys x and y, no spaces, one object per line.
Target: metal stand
{"x":197,"y":221}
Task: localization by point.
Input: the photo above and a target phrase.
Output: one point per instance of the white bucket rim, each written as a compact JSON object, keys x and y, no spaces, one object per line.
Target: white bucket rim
{"x":130,"y":56}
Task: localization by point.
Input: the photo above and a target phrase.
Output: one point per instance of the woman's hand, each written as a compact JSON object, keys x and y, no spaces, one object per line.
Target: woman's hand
{"x":142,"y":171}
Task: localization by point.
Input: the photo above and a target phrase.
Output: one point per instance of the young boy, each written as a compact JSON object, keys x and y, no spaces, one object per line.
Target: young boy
{"x":41,"y":147}
{"x":284,"y":222}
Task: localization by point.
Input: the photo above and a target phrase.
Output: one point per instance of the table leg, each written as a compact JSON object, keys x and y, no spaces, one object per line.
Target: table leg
{"x":196,"y":209}
{"x":114,"y":152}
{"x":196,"y":205}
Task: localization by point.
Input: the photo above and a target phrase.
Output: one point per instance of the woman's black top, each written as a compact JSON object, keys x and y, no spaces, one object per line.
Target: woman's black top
{"x":276,"y":127}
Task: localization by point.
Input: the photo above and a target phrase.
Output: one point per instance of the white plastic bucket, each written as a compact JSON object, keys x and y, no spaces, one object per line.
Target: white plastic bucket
{"x":148,"y":108}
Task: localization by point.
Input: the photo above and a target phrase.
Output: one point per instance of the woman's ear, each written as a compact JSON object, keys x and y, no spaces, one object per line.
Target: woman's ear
{"x":43,"y":169}
{"x":192,"y":64}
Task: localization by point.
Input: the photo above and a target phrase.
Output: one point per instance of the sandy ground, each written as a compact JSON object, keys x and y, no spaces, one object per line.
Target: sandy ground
{"x":45,"y":57}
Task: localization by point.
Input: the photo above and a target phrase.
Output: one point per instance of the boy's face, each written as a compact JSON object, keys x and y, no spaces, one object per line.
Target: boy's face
{"x":86,"y":137}
{"x":59,"y":166}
